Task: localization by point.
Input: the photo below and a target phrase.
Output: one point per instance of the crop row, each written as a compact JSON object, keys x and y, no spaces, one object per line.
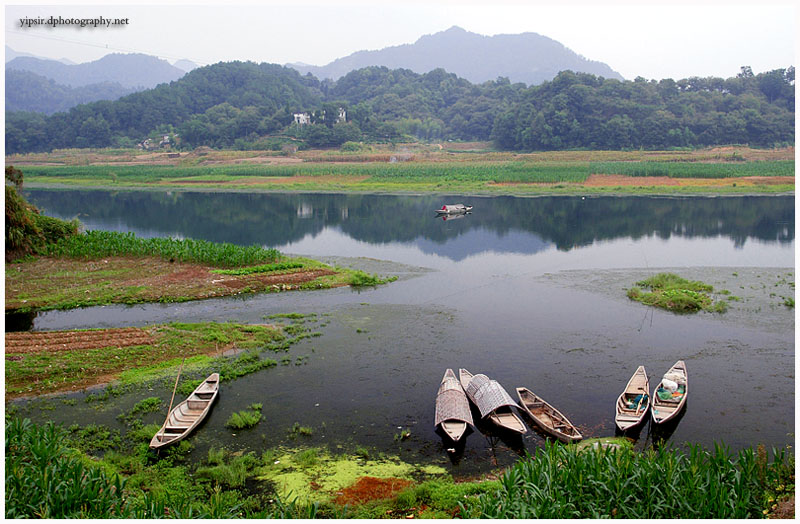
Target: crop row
{"x":264,"y":268}
{"x":97,"y":244}
{"x":505,"y":171}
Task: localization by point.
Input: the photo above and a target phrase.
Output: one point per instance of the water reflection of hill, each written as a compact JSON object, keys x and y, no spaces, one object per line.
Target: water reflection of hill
{"x":502,"y":224}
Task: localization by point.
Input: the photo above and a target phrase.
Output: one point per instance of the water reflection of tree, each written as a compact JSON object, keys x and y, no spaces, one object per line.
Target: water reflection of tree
{"x":567,"y":222}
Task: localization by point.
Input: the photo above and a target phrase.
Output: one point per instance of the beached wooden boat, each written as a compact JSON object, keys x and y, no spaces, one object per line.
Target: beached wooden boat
{"x":492,"y":401}
{"x":452,"y":407}
{"x":188,"y":414}
{"x":668,"y":402}
{"x":551,"y":420}
{"x":448,"y":209}
{"x":633,"y":403}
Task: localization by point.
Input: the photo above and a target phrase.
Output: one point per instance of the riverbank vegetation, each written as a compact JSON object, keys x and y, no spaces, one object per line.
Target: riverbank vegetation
{"x":674,"y":293}
{"x":49,"y":473}
{"x":419,"y":168}
{"x":50,"y":265}
{"x":27,"y":230}
{"x":103,"y":267}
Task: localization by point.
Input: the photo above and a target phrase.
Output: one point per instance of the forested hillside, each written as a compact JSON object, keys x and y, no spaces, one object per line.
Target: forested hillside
{"x":237,"y":104}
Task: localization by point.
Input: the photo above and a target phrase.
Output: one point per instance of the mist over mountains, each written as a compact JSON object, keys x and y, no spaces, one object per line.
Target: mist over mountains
{"x":49,"y":86}
{"x":128,"y":70}
{"x":527,"y":57}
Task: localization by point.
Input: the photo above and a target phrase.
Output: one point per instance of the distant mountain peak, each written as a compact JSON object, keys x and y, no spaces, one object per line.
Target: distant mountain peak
{"x":128,"y":70}
{"x":524,"y":57}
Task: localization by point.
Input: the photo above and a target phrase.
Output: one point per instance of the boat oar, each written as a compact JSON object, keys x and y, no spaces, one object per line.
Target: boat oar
{"x":169,"y":410}
{"x":640,"y":403}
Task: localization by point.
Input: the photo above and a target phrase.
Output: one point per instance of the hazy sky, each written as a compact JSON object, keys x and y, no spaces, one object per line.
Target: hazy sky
{"x":674,"y":39}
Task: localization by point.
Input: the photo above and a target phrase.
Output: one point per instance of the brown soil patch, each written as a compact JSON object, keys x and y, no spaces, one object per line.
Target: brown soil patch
{"x":785,"y":509}
{"x":371,"y":488}
{"x":52,"y":341}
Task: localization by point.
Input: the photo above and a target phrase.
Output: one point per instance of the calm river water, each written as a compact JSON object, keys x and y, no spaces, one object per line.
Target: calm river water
{"x":530,"y":291}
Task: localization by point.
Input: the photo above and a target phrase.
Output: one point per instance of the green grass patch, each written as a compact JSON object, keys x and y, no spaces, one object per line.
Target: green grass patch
{"x":695,"y":169}
{"x":674,"y":293}
{"x":244,"y":419}
{"x":99,"y":244}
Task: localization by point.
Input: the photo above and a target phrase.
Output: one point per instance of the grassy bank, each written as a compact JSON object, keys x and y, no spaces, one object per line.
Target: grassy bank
{"x":99,"y":267}
{"x":49,"y":474}
{"x":420,"y":169}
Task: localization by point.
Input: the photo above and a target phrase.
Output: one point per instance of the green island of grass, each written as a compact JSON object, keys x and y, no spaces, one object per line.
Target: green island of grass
{"x":674,"y":293}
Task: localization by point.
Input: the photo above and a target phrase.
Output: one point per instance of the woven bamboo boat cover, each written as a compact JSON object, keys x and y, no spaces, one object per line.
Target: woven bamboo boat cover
{"x":451,"y":403}
{"x":488,"y":394}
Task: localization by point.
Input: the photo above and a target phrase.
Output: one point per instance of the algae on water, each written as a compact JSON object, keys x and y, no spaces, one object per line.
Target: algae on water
{"x":319,"y":480}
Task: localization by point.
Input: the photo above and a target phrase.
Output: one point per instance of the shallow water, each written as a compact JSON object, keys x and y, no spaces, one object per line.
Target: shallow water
{"x":530,"y":291}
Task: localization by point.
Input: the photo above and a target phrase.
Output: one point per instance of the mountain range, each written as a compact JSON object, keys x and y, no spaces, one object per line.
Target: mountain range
{"x":527,"y":57}
{"x":128,"y":70}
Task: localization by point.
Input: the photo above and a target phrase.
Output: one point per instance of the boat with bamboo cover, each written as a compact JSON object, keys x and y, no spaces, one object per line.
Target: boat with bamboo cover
{"x":634,"y":402}
{"x":187,"y":415}
{"x":452,"y":407}
{"x":492,"y":401}
{"x":669,"y":396}
{"x":551,"y":420}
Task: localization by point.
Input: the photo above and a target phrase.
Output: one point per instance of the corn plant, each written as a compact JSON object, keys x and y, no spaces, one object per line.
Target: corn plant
{"x":45,"y":480}
{"x":564,"y":482}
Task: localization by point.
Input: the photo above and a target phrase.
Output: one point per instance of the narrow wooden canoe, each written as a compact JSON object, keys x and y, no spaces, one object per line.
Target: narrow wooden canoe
{"x":665,"y":409}
{"x":188,"y":414}
{"x":452,"y":407}
{"x":634,"y":402}
{"x":453,"y":208}
{"x":551,"y":420}
{"x":492,"y":401}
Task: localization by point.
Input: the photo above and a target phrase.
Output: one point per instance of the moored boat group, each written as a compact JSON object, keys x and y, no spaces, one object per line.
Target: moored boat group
{"x":453,"y":414}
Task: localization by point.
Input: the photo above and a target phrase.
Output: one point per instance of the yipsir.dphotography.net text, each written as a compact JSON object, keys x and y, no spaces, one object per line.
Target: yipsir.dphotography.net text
{"x":57,"y":21}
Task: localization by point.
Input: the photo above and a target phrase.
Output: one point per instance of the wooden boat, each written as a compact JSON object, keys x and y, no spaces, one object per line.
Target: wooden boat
{"x":633,"y":403}
{"x":188,"y":414}
{"x":666,"y":408}
{"x":551,"y":420}
{"x":492,"y":401}
{"x":452,"y":407}
{"x":449,"y":209}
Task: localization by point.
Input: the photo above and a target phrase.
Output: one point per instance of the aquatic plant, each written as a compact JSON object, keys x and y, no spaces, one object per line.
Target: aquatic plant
{"x":245,"y":419}
{"x":360,"y":278}
{"x":672,"y":292}
{"x":297,"y":429}
{"x":147,"y":405}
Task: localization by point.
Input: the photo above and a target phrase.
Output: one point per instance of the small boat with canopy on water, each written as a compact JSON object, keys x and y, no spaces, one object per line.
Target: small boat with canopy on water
{"x":492,"y":401}
{"x":452,"y":407}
